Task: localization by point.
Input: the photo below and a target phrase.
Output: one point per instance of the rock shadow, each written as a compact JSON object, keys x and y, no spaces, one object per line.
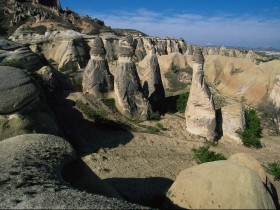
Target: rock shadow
{"x":170,"y":103}
{"x":145,"y":191}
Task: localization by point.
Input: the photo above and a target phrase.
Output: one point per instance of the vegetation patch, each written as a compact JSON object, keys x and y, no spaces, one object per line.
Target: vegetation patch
{"x":154,"y":116}
{"x":96,"y":115}
{"x":110,"y":102}
{"x":161,"y":127}
{"x":274,"y":169}
{"x":181,"y":102}
{"x":68,"y":68}
{"x":203,"y":155}
{"x":152,"y":130}
{"x":252,"y":133}
{"x":12,"y":63}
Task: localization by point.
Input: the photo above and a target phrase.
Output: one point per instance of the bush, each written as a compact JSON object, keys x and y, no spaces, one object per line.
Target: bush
{"x":274,"y":169}
{"x":181,"y":102}
{"x":152,"y":130}
{"x":203,"y":155}
{"x":12,"y":62}
{"x":154,"y":116}
{"x":68,"y":68}
{"x":252,"y":133}
{"x":96,"y":115}
{"x":110,"y":102}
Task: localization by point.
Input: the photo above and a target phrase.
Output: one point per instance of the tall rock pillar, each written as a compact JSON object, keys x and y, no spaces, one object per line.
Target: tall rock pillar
{"x":130,"y":100}
{"x":200,"y":112}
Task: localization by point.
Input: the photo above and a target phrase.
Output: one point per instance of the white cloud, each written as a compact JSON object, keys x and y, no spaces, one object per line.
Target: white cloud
{"x":222,"y":29}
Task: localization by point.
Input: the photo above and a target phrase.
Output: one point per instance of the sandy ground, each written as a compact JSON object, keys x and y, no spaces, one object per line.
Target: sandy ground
{"x":143,"y":169}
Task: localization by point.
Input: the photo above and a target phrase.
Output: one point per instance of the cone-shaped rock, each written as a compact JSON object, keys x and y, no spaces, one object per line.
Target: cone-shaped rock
{"x":97,"y":80}
{"x":130,"y":100}
{"x":200,"y":112}
{"x":151,"y":80}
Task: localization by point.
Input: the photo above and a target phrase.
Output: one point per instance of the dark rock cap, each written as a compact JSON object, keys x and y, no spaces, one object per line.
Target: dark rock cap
{"x":98,"y":47}
{"x":198,"y":56}
{"x":126,"y":48}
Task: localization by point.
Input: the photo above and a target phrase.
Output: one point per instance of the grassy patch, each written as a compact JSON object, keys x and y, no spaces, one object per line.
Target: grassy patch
{"x":274,"y":169}
{"x":203,"y":155}
{"x":252,"y":133}
{"x":152,"y":130}
{"x":161,"y":127}
{"x":110,"y":102}
{"x":181,"y":103}
{"x":12,"y":63}
{"x":155,"y":116}
{"x":96,"y":115}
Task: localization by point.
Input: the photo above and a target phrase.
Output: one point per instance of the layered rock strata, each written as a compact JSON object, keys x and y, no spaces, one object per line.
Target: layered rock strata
{"x":200,"y":112}
{"x":97,"y":80}
{"x":130,"y":100}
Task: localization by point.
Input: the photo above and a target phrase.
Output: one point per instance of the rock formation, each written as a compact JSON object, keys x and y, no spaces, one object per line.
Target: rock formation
{"x":200,"y":112}
{"x":32,"y":170}
{"x":97,"y":80}
{"x":274,"y":95}
{"x":233,"y":119}
{"x":151,"y":79}
{"x":130,"y":100}
{"x":222,"y":184}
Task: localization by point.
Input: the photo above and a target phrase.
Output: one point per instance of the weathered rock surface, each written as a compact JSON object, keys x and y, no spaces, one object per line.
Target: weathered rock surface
{"x":233,"y":119}
{"x":16,"y":89}
{"x":22,"y":55}
{"x":31,"y":176}
{"x":200,"y":112}
{"x":97,"y":80}
{"x":274,"y":95}
{"x":151,"y":81}
{"x":220,"y":184}
{"x":130,"y":100}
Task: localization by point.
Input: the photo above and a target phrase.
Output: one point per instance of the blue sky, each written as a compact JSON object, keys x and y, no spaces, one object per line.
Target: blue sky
{"x":244,"y":23}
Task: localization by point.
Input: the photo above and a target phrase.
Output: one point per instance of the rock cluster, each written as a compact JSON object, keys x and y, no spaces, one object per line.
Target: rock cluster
{"x":236,"y":183}
{"x":200,"y":112}
{"x":130,"y":100}
{"x":97,"y":80}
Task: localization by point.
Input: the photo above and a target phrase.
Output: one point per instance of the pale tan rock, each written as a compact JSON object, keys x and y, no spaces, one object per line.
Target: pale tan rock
{"x":247,"y":160}
{"x":200,"y":112}
{"x":274,"y":95}
{"x":233,"y":119}
{"x":220,"y":185}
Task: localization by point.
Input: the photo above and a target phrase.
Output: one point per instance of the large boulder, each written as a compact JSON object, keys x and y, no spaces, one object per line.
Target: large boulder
{"x":31,"y":177}
{"x":200,"y":112}
{"x":16,"y":89}
{"x":233,"y":120}
{"x":151,"y":81}
{"x":130,"y":100}
{"x":220,"y":185}
{"x":97,"y":79}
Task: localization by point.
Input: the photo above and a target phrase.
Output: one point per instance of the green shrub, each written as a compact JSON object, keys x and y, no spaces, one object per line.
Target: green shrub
{"x":252,"y":133}
{"x":110,"y":102}
{"x":181,"y":102}
{"x":11,"y":62}
{"x":51,"y":60}
{"x":114,"y":57}
{"x":202,"y":155}
{"x":152,"y":130}
{"x":274,"y":169}
{"x":68,"y":68}
{"x":96,"y":115}
{"x":154,"y":116}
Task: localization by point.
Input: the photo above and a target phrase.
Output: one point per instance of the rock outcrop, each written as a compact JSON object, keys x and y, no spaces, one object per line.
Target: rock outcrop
{"x":220,"y":184}
{"x":151,"y":79}
{"x":130,"y":100}
{"x":200,"y":112}
{"x":233,"y":119}
{"x":97,"y":80}
{"x":31,"y":177}
{"x":16,"y":89}
{"x":274,"y":95}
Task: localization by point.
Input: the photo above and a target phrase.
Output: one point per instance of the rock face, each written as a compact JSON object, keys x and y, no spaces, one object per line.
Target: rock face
{"x":16,"y":89}
{"x":200,"y":112}
{"x":31,"y":176}
{"x":233,"y":119}
{"x":274,"y":95}
{"x":97,"y":80}
{"x":151,"y":79}
{"x":22,"y":56}
{"x":130,"y":100}
{"x":220,"y":184}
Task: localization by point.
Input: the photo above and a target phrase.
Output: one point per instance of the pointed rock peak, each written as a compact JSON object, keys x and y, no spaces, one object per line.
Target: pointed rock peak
{"x":98,"y":47}
{"x":198,"y":56}
{"x":126,"y":48}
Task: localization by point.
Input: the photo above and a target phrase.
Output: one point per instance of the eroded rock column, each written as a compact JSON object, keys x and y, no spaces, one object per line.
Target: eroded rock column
{"x":200,"y":112}
{"x":97,"y":80}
